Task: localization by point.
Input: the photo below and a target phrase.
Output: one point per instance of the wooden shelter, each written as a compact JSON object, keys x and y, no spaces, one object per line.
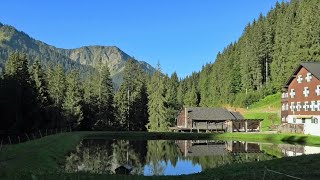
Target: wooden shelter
{"x":214,"y":119}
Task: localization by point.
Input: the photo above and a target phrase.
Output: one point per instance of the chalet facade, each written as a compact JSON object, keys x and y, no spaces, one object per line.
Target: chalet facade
{"x":300,"y":99}
{"x":214,"y":119}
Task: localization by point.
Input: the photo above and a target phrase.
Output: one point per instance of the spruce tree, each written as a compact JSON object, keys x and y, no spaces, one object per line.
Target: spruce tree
{"x":158,"y":119}
{"x":103,"y":93}
{"x":72,"y":102}
{"x":131,"y":99}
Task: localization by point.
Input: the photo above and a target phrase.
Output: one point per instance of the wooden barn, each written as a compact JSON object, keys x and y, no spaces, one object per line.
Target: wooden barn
{"x":214,"y":119}
{"x":300,"y":100}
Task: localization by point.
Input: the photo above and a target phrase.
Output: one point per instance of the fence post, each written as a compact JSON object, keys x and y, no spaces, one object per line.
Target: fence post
{"x":19,"y":139}
{"x":40,"y":133}
{"x":46,"y":132}
{"x":9,"y":139}
{"x":56,"y":131}
{"x":1,"y":144}
{"x":27,"y":136}
{"x":33,"y":136}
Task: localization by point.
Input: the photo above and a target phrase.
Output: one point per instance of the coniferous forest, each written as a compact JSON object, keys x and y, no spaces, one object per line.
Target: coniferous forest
{"x":35,"y":96}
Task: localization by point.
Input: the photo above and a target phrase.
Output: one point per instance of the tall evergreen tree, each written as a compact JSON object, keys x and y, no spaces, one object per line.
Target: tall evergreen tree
{"x":72,"y":101}
{"x":103,"y":92}
{"x":158,"y":119}
{"x":131,"y":99}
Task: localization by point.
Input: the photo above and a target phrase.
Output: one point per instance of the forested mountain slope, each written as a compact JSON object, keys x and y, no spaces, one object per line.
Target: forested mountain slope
{"x":262,"y":59}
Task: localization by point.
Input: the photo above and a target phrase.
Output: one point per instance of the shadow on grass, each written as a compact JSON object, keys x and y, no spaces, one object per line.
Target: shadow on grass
{"x":301,"y":140}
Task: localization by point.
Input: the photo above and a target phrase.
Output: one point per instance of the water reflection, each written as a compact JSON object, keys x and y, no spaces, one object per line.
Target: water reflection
{"x":168,"y":157}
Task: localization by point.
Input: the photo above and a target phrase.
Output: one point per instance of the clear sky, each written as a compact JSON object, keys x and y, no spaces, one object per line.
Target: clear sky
{"x":183,"y":35}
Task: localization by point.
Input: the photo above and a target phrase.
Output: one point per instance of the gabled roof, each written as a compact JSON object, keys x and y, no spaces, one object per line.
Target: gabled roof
{"x":312,"y":67}
{"x":199,"y":113}
{"x":237,"y":115}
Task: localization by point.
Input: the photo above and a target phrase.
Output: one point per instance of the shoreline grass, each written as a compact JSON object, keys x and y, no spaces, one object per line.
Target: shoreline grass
{"x":43,"y":158}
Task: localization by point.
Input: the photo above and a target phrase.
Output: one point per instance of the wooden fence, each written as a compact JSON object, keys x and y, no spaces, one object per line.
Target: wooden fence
{"x":8,"y":139}
{"x":291,"y":128}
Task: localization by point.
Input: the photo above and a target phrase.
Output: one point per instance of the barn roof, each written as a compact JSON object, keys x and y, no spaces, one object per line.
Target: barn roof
{"x":312,"y":67}
{"x":199,"y":113}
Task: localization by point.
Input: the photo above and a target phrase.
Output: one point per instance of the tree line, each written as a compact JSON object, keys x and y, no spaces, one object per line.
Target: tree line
{"x":34,"y":97}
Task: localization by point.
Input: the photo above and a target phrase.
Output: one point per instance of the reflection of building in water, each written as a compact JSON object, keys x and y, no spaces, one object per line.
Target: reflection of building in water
{"x":208,"y":148}
{"x":298,"y":150}
{"x":243,"y":147}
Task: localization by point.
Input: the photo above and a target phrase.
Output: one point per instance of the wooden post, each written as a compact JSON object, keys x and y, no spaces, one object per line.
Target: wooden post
{"x":27,"y":137}
{"x":260,"y":128}
{"x":246,"y":125}
{"x":197,"y":127}
{"x":1,"y":144}
{"x":222,"y":126}
{"x":40,"y":133}
{"x":9,"y":139}
{"x":19,"y":139}
{"x":207,"y":126}
{"x":46,"y":132}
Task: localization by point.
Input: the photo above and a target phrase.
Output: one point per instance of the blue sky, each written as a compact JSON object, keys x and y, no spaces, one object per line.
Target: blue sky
{"x":183,"y":35}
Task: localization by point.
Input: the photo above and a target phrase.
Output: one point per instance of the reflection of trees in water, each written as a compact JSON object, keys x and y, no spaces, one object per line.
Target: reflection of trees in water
{"x":104,"y":156}
{"x":160,"y":152}
{"x":213,"y":161}
{"x":124,"y":153}
{"x":90,"y":156}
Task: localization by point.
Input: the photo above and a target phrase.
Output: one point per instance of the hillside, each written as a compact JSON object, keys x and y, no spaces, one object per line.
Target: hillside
{"x":262,"y":59}
{"x":83,"y":58}
{"x":268,"y":109}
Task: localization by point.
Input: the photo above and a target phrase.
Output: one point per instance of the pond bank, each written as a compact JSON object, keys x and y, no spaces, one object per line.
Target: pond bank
{"x":43,"y":158}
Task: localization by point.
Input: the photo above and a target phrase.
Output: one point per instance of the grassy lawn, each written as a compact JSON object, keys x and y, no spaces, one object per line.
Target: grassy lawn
{"x":267,"y":109}
{"x":269,"y":119}
{"x":43,"y":158}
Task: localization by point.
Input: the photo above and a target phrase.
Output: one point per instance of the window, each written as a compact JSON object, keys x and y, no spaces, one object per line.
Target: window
{"x":303,"y":120}
{"x":294,"y":120}
{"x":298,"y":106}
{"x":313,"y":106}
{"x":306,"y":91}
{"x":308,"y":77}
{"x":316,"y":120}
{"x":292,"y":93}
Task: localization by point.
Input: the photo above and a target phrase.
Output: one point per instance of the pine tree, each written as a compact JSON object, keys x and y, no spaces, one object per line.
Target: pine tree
{"x":191,"y":99}
{"x":38,"y":75}
{"x":26,"y":113}
{"x":72,"y":101}
{"x":56,"y":88}
{"x":172,"y":104}
{"x":103,"y":92}
{"x":158,"y":120}
{"x":56,"y":85}
{"x":131,"y":99}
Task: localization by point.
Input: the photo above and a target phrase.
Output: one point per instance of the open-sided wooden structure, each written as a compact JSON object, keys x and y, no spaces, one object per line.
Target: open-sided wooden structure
{"x":214,"y":120}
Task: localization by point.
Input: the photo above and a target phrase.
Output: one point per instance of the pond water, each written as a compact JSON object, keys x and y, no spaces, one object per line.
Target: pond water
{"x":171,"y":157}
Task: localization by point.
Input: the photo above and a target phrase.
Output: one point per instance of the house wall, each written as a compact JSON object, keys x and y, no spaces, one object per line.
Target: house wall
{"x":302,"y":99}
{"x":298,"y":100}
{"x":181,"y":119}
{"x":310,"y":127}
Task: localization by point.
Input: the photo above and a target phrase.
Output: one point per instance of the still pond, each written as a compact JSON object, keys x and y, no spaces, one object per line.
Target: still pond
{"x":171,"y":157}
